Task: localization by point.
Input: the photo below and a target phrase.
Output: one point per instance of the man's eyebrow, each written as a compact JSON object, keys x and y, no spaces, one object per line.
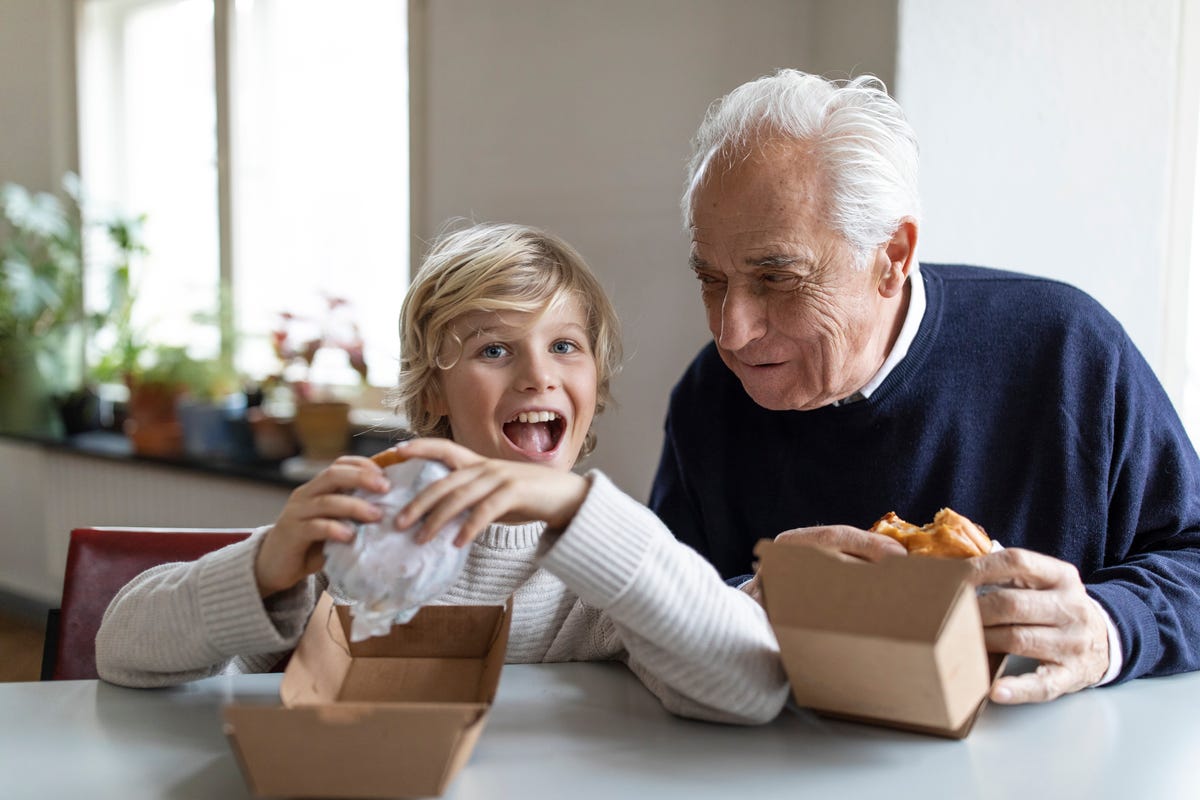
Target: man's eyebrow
{"x":777,"y":260}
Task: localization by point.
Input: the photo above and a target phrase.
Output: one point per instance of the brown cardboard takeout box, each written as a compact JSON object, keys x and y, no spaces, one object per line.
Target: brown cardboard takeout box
{"x":897,"y":643}
{"x":392,"y":716}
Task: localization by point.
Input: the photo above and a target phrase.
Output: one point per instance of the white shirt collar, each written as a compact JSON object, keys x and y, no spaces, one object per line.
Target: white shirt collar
{"x":908,"y":332}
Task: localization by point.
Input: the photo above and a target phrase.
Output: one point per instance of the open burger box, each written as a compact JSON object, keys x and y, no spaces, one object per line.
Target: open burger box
{"x":391,"y":716}
{"x":896,"y":643}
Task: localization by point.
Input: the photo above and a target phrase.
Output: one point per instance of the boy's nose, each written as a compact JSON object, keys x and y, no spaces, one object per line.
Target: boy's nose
{"x":536,"y":374}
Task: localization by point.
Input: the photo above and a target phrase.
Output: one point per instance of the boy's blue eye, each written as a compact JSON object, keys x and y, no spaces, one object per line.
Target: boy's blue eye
{"x":493,"y":351}
{"x":562,"y":348}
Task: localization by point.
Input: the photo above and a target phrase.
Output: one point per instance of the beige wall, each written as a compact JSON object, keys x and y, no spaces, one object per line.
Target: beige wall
{"x":576,"y":116}
{"x":37,"y":92}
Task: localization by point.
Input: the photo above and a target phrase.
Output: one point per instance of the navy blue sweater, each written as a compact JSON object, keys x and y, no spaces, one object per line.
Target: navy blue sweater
{"x":1021,"y":403}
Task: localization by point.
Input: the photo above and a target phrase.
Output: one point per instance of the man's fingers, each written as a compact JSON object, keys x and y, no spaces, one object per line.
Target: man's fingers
{"x":1047,"y":682}
{"x":1023,"y":607}
{"x":846,"y":539}
{"x":1040,"y":642}
{"x":1021,"y":568}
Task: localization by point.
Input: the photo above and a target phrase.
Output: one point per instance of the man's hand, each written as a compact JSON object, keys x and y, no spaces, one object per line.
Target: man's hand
{"x":846,"y":540}
{"x":1040,"y":611}
{"x":843,"y":538}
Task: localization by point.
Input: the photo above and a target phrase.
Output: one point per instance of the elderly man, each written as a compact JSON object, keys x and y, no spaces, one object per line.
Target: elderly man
{"x":844,"y":380}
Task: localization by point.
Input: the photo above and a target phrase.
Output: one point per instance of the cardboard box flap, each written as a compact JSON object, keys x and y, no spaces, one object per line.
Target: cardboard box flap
{"x":444,"y":654}
{"x":436,"y":631}
{"x":819,"y":589}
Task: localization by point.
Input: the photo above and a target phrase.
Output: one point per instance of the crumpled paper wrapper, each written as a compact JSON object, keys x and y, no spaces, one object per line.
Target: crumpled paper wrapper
{"x":383,"y":573}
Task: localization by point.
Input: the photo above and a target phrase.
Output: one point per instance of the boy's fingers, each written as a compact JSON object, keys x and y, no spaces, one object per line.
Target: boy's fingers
{"x":345,"y":477}
{"x":453,"y":455}
{"x":339,"y":506}
{"x":467,"y":496}
{"x":433,"y":496}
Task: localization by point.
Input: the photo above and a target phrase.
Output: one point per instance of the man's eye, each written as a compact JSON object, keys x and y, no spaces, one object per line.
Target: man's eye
{"x":493,"y":351}
{"x":563,"y":347}
{"x":708,"y":280}
{"x":778,"y":279}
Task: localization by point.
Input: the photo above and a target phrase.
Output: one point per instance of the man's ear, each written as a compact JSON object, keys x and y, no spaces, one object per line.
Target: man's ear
{"x":899,"y":252}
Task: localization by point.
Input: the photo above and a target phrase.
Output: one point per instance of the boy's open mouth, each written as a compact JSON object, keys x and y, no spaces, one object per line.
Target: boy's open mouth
{"x":535,"y":431}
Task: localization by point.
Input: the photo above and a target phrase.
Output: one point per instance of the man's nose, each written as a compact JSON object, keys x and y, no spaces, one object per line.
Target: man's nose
{"x":742,"y":319}
{"x":535,"y":373}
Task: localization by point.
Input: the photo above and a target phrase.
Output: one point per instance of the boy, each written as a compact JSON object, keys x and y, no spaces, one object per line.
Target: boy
{"x":509,"y":344}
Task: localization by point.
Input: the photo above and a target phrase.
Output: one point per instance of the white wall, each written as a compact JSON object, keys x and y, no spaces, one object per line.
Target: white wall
{"x":1046,"y":132}
{"x":576,"y":116}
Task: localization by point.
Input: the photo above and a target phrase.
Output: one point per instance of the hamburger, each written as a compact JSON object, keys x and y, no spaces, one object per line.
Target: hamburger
{"x":950,"y":535}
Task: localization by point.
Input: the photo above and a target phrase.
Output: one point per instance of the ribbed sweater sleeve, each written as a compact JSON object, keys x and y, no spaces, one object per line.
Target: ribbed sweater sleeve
{"x":184,"y":621}
{"x":706,"y":650}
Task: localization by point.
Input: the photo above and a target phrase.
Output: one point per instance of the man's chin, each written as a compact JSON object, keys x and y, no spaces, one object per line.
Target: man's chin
{"x":777,"y":398}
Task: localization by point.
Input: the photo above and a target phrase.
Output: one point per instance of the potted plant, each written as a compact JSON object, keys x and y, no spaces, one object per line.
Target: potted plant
{"x":41,"y":291}
{"x":321,"y":418}
{"x":211,"y":409}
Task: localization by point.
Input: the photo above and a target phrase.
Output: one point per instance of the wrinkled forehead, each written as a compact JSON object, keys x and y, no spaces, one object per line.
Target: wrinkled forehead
{"x":753,"y":209}
{"x":771,"y":185}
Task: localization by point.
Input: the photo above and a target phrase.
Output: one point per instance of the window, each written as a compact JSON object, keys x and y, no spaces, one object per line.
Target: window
{"x":266,"y":141}
{"x":1182,"y":312}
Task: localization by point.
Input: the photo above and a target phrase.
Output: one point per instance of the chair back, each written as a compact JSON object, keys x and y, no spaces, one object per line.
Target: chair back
{"x":99,"y":562}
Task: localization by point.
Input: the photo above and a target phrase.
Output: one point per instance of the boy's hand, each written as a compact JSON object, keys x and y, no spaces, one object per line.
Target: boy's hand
{"x":316,"y":511}
{"x":491,"y":489}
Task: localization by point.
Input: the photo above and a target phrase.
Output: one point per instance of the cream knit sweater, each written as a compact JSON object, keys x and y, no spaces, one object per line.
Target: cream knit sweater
{"x":615,"y":584}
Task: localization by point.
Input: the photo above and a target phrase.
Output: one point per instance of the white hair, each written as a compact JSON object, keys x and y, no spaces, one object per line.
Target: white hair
{"x":857,"y":132}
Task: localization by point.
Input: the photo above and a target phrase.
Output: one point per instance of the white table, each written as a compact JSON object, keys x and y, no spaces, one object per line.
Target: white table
{"x":580,"y":731}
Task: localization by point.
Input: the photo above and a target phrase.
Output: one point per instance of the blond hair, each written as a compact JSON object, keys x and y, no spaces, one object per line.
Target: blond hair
{"x":494,"y":267}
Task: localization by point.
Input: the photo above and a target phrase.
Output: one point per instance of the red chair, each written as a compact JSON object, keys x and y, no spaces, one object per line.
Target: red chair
{"x":99,"y":562}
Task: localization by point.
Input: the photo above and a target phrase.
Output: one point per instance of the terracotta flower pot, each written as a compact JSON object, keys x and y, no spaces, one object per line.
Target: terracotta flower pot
{"x":323,"y":429}
{"x":274,"y":438}
{"x":153,"y":425}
